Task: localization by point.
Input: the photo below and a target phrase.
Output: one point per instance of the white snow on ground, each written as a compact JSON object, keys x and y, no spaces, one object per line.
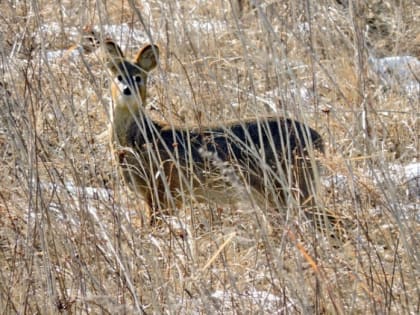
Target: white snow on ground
{"x":123,"y":33}
{"x":88,"y":192}
{"x":207,"y":27}
{"x":57,"y":54}
{"x":337,"y":181}
{"x":398,"y":71}
{"x":87,"y":198}
{"x":412,"y":171}
{"x":411,"y":179}
{"x":403,"y":175}
{"x":262,"y":302}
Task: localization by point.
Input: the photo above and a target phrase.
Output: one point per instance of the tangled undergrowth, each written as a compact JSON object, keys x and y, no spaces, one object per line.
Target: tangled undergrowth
{"x":70,"y":234}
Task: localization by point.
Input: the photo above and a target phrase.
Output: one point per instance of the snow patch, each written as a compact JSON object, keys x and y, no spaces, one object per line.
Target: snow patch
{"x":261,"y":301}
{"x":411,"y":176}
{"x":398,"y":71}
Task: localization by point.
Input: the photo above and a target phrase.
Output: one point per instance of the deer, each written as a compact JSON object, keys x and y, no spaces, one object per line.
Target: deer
{"x":266,"y":160}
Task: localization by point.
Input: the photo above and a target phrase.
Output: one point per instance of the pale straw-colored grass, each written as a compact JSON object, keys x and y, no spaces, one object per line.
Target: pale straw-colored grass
{"x":70,"y":230}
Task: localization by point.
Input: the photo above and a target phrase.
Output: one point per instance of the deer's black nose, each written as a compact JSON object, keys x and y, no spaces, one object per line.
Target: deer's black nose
{"x":127,"y":91}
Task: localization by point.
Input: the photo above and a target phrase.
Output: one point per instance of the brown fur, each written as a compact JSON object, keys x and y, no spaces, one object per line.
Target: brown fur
{"x":268,"y":158}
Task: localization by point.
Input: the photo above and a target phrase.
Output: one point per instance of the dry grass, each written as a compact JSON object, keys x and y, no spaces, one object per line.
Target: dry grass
{"x":70,"y":239}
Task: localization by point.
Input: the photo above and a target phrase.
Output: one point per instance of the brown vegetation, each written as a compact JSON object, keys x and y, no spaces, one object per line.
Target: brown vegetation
{"x":70,"y":236}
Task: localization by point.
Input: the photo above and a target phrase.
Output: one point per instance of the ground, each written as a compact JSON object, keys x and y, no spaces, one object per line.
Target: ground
{"x":71,"y":233}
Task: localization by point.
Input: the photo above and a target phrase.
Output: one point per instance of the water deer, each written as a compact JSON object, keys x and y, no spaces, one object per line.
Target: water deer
{"x":265,"y":160}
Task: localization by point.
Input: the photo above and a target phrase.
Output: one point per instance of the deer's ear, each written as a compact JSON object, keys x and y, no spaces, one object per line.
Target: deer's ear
{"x":113,"y":54}
{"x":147,"y":58}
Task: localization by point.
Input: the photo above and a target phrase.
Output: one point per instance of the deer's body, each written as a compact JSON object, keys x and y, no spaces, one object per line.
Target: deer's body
{"x":165,"y":164}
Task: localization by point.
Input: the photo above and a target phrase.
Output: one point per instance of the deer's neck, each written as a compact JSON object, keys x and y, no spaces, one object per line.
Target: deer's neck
{"x":122,"y":119}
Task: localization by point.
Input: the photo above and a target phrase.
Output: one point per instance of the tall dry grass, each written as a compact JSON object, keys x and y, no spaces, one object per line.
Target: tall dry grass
{"x":70,"y":235}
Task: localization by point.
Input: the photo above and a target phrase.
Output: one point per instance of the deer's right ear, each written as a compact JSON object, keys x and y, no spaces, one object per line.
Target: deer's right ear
{"x":113,"y":54}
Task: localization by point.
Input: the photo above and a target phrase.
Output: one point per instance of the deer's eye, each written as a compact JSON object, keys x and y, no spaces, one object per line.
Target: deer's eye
{"x":120,"y":78}
{"x":138,"y":79}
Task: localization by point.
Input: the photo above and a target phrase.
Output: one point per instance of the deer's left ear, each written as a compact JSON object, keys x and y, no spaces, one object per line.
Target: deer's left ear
{"x":147,"y":58}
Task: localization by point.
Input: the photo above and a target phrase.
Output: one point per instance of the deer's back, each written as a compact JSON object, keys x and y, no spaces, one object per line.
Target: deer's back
{"x":266,"y":139}
{"x":200,"y":156}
